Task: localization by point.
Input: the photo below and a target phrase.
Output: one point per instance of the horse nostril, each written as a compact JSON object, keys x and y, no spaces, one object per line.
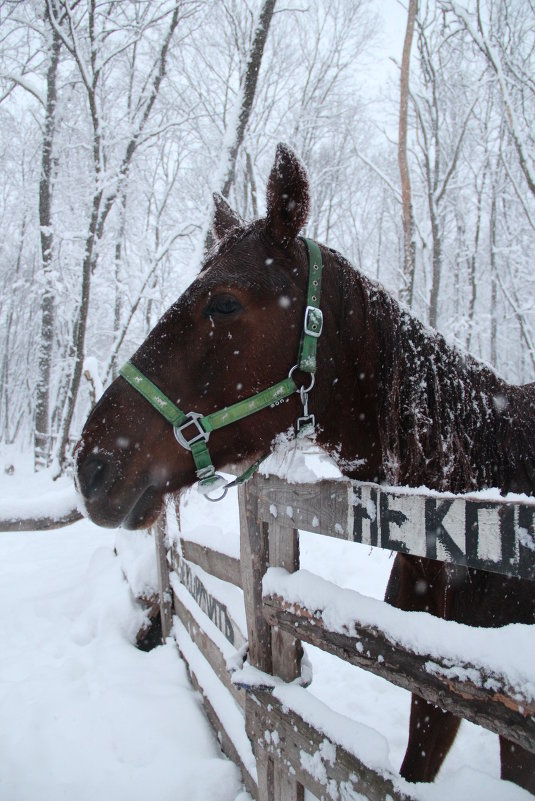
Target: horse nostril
{"x":93,"y":475}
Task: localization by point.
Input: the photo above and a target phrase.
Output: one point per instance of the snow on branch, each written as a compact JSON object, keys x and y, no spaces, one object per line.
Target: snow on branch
{"x":474,"y":27}
{"x":19,"y":80}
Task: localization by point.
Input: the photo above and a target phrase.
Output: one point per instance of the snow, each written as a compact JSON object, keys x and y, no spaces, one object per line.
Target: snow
{"x":508,"y":652}
{"x":216,"y":527}
{"x":83,"y":713}
{"x":224,"y":705}
{"x":26,"y":495}
{"x":298,"y":460}
{"x":92,"y":373}
{"x":96,"y":718}
{"x":135,"y":550}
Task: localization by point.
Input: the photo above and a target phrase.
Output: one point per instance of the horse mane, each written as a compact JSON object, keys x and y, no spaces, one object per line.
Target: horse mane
{"x":446,"y":421}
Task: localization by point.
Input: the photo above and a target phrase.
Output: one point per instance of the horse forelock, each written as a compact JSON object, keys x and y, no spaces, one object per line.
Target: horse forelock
{"x":235,"y":258}
{"x":221,"y":246}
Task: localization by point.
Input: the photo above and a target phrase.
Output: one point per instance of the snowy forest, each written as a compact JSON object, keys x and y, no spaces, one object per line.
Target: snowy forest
{"x":119,"y":118}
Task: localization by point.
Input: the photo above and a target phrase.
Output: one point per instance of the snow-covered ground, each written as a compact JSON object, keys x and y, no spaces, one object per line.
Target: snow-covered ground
{"x":85,"y":715}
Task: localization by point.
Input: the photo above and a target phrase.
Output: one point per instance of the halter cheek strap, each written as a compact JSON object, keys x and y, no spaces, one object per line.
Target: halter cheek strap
{"x":192,"y":430}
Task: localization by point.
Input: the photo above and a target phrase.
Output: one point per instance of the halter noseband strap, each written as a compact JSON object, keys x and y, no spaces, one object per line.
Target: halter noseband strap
{"x":192,"y":429}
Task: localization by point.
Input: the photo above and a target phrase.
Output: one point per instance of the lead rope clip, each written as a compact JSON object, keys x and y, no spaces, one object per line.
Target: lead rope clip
{"x":307,"y":421}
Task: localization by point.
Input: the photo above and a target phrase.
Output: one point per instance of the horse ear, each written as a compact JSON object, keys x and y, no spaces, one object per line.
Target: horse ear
{"x":225,"y":218}
{"x":287,"y":196}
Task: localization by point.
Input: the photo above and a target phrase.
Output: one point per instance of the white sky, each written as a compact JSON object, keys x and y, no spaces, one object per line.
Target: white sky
{"x":394,"y":19}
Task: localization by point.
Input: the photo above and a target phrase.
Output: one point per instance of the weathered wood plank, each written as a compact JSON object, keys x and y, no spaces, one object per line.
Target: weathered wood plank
{"x":496,"y":709}
{"x":493,"y":535}
{"x":209,"y":650}
{"x":265,"y":772}
{"x":285,"y":786}
{"x":324,"y":507}
{"x":220,"y":565}
{"x":215,"y":609}
{"x":254,"y":557}
{"x":286,"y":650}
{"x":307,"y":754}
{"x":227,"y":745}
{"x":40,"y":523}
{"x":159,"y":531}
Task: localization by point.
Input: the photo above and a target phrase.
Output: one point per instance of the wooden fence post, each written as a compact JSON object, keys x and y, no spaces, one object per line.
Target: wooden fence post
{"x":270,"y":649}
{"x":287,"y":651}
{"x":159,"y":530}
{"x":254,"y":558}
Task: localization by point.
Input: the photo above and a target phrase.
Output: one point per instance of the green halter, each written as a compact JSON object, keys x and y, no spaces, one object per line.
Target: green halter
{"x":192,"y":430}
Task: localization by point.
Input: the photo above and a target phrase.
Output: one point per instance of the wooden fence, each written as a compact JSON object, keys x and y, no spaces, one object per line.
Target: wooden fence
{"x":268,"y":727}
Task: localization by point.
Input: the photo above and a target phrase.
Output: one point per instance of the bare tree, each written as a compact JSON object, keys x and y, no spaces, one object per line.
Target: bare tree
{"x":235,"y":131}
{"x":409,"y":244}
{"x":505,"y":39}
{"x":42,"y":441}
{"x":91,"y":63}
{"x":440,"y":149}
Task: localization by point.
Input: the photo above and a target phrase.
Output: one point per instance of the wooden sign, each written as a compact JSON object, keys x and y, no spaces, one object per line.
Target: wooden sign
{"x":489,"y":534}
{"x":495,"y":535}
{"x":215,"y":609}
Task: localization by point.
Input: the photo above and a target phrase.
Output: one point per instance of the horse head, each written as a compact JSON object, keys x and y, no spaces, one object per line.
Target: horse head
{"x":233,"y":333}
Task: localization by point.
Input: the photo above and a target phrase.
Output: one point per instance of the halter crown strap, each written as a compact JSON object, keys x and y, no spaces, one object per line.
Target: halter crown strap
{"x":313,"y":322}
{"x":192,"y":430}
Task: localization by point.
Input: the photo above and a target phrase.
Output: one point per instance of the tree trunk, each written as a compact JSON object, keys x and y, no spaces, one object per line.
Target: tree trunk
{"x":7,"y":433}
{"x":473,"y":262}
{"x":249,"y":90}
{"x":42,"y":442}
{"x":493,"y":284}
{"x":117,"y":280}
{"x":246,"y":99}
{"x":437,"y":265}
{"x":252,"y":184}
{"x":409,"y":244}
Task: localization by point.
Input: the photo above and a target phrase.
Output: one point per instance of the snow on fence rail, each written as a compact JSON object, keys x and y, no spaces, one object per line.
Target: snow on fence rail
{"x":43,"y":512}
{"x":263,"y":707}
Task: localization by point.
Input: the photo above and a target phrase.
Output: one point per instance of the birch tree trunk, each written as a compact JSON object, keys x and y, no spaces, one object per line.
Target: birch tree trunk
{"x":409,"y":244}
{"x":42,"y":442}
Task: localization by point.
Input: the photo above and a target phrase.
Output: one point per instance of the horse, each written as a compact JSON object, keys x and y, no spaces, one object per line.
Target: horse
{"x":392,"y":403}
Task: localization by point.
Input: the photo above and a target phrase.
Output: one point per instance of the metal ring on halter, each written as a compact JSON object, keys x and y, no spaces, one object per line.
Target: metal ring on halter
{"x":312,"y":379}
{"x":214,"y":500}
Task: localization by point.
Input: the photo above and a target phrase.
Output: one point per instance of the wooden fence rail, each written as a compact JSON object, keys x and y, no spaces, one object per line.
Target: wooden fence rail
{"x":285,"y":750}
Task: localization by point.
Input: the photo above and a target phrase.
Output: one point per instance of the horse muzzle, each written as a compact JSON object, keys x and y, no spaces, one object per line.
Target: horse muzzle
{"x":106,"y":498}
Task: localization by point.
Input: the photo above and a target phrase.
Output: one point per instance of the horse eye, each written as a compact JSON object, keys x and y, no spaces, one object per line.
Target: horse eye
{"x":222,"y":304}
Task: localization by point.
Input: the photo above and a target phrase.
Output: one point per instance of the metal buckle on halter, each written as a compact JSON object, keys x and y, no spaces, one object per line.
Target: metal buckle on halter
{"x":313,"y":323}
{"x":193,"y":420}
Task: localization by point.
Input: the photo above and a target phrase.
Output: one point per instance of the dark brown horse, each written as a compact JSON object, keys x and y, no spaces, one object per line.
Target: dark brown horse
{"x":393,"y":403}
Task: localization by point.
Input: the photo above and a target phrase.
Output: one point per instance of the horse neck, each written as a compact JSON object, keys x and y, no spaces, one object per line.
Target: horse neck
{"x":447,"y":421}
{"x":349,"y":424}
{"x":419,"y":412}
